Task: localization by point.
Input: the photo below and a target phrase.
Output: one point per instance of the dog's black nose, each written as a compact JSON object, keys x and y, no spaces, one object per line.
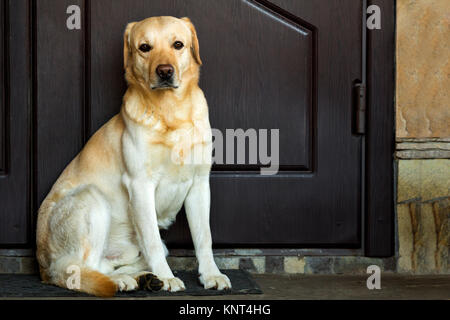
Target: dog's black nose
{"x":165,"y":71}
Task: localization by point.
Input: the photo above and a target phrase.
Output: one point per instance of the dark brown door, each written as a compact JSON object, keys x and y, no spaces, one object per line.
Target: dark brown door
{"x":281,"y":64}
{"x":289,"y":68}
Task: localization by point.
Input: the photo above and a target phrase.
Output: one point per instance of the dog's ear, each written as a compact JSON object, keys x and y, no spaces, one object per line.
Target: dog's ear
{"x":126,"y":44}
{"x":195,"y":48}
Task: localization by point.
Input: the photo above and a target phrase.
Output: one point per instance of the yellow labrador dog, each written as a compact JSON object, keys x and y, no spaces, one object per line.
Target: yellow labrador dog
{"x":104,"y":212}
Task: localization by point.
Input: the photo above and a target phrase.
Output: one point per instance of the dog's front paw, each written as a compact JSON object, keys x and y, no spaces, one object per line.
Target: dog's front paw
{"x":215,"y":281}
{"x":172,"y":284}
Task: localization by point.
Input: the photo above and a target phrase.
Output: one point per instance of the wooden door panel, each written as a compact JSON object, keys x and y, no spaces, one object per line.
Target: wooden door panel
{"x":15,"y":124}
{"x":317,"y":209}
{"x":60,"y":100}
{"x":289,"y":67}
{"x":257,"y":73}
{"x":3,"y":91}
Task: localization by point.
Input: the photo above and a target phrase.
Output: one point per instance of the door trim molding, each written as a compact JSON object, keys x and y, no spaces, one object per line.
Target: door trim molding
{"x":378,"y":236}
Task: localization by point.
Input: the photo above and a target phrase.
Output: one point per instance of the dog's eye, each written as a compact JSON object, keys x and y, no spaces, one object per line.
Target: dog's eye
{"x":178,"y":45}
{"x":145,"y":47}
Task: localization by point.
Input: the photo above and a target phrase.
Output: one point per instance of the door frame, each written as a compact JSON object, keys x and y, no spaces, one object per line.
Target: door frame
{"x":377,"y":221}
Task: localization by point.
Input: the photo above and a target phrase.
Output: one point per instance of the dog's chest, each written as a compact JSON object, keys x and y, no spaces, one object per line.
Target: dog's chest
{"x":170,"y":159}
{"x":175,"y":178}
{"x":169,"y":198}
{"x":174,"y":165}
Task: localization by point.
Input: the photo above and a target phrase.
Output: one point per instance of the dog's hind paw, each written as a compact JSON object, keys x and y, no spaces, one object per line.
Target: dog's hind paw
{"x":124,"y":282}
{"x":150,"y":282}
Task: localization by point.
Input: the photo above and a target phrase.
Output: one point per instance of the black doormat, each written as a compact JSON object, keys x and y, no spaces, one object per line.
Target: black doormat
{"x":14,"y":285}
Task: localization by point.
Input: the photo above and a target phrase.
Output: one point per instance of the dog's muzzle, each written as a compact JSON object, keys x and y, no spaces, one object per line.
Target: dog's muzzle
{"x":165,"y":74}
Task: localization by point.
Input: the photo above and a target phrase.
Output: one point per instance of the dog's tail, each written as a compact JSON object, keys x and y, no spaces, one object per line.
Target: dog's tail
{"x":79,"y":278}
{"x":96,"y":283}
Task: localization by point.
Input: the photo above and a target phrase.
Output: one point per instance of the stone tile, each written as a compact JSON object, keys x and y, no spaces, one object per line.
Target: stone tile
{"x":355,"y":265}
{"x":182,"y":263}
{"x":441,"y":210}
{"x":424,"y":237}
{"x":29,"y":265}
{"x":423,"y":145}
{"x":423,"y":257}
{"x":423,"y":150}
{"x":409,"y":179}
{"x":390,"y":264}
{"x":425,"y":240}
{"x":319,"y":265}
{"x":247,"y":252}
{"x":294,"y":265}
{"x":423,"y":179}
{"x":260,"y":264}
{"x":405,"y":238}
{"x":423,"y":154}
{"x":227,"y":262}
{"x":435,"y":179}
{"x":252,"y":264}
{"x":423,"y":232}
{"x":422,"y":68}
{"x":247,"y":264}
{"x":274,"y":264}
{"x":9,"y":264}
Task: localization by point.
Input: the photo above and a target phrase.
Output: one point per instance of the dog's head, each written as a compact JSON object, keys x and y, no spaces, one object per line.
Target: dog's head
{"x":161,"y":53}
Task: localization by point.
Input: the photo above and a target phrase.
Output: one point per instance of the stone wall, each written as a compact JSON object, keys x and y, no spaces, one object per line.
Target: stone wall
{"x":423,"y":68}
{"x":423,"y":136}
